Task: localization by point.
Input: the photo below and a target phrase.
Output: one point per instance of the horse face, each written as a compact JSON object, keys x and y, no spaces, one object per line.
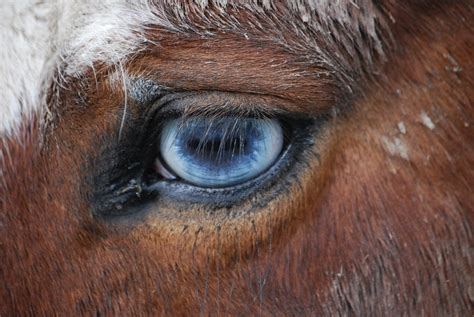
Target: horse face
{"x":227,"y":158}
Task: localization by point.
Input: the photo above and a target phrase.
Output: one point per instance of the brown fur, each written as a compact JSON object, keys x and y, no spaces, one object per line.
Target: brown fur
{"x":380,"y":224}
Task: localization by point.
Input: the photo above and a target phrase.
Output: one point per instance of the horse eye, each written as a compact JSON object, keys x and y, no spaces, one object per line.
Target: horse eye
{"x":218,"y":152}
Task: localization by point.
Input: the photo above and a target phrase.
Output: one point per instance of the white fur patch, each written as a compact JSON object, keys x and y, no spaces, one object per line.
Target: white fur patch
{"x":38,"y":38}
{"x":25,"y":51}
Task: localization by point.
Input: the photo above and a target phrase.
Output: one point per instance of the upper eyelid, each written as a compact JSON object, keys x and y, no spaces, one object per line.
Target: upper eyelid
{"x":156,"y":98}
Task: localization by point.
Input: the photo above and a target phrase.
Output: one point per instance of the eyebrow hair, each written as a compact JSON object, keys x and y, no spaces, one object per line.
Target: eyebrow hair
{"x":344,"y":35}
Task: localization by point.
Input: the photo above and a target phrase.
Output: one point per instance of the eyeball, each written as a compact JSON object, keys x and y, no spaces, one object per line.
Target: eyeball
{"x":220,"y":152}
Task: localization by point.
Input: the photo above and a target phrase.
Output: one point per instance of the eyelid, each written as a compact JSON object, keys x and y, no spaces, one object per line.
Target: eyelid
{"x":218,"y":104}
{"x":148,"y":91}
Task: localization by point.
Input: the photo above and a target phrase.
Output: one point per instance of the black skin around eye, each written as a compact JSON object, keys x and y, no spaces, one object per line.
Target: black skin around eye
{"x":124,"y":181}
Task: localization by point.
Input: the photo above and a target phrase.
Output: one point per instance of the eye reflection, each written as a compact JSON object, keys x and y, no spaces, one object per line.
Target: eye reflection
{"x":220,"y":152}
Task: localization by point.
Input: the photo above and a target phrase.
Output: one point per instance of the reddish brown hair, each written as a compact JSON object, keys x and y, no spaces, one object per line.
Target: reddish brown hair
{"x":378,"y":219}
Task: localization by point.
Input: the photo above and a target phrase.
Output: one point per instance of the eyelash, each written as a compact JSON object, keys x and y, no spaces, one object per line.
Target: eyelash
{"x":140,"y":185}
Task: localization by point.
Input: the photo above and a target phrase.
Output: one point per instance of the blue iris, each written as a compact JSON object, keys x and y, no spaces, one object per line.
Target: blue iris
{"x":220,"y":152}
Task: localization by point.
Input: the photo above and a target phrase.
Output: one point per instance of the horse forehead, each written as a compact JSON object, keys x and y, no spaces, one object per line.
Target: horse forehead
{"x":41,"y":37}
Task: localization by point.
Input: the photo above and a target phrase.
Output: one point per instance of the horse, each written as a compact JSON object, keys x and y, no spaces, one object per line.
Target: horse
{"x":211,"y":157}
